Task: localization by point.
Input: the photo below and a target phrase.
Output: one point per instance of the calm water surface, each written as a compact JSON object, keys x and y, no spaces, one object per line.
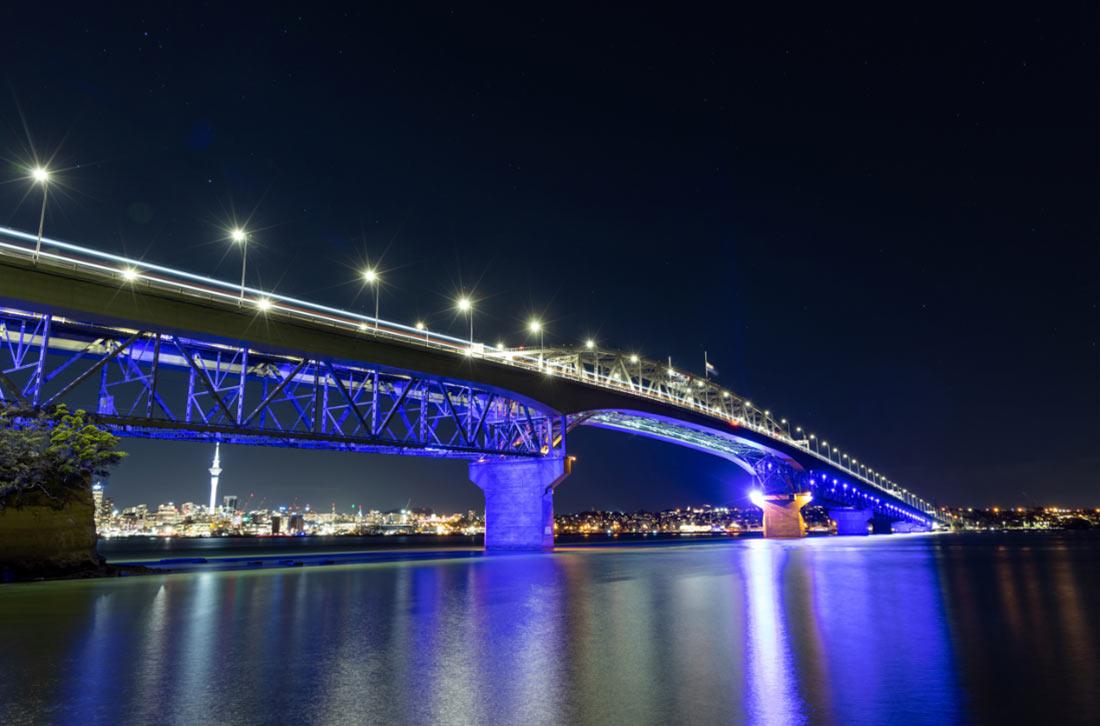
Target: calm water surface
{"x":902,"y":629}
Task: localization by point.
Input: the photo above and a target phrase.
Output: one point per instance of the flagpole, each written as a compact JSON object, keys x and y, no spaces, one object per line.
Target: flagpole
{"x":706,"y":366}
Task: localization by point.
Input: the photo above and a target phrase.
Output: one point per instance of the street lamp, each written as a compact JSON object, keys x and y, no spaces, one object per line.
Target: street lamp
{"x":535,"y":326}
{"x":239,"y":236}
{"x":372,"y":278}
{"x":590,"y":344}
{"x":41,"y":175}
{"x":466,"y":306}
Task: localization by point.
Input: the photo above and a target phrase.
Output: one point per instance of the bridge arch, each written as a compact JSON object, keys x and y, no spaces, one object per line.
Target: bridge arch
{"x":728,"y":445}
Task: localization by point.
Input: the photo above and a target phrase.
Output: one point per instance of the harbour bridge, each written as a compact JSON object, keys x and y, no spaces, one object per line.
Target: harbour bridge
{"x":156,"y":352}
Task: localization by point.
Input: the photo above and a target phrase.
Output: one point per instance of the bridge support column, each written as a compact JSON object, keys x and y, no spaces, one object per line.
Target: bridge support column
{"x":852,"y":521}
{"x":783,"y":514}
{"x":881,"y":525}
{"x":905,"y":526}
{"x":519,"y":501}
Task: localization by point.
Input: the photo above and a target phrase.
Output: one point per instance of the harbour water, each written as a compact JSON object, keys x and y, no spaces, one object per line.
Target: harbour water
{"x":904,"y":629}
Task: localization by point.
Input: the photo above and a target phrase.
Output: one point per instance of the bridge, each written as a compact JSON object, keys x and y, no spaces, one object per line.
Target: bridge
{"x":157,"y":352}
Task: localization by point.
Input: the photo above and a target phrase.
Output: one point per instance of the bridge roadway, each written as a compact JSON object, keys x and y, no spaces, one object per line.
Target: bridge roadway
{"x":347,"y":381}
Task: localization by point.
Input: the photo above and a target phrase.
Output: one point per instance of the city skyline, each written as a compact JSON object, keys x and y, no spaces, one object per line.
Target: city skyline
{"x":248,"y":498}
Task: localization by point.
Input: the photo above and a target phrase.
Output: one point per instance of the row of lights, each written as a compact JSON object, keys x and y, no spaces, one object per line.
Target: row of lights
{"x":464,"y":304}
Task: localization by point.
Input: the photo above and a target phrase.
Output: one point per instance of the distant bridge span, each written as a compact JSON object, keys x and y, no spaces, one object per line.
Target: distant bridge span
{"x":163,"y":353}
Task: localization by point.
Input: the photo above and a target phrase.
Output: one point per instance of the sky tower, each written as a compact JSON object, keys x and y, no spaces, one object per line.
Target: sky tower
{"x":215,"y":472}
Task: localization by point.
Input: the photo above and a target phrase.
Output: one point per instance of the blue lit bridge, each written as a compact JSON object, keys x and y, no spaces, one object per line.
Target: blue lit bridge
{"x":161,"y":353}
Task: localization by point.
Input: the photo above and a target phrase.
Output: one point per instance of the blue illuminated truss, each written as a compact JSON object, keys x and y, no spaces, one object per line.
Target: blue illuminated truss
{"x":150,"y":384}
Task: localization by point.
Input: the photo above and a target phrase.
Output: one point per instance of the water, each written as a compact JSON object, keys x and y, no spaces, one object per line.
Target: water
{"x":902,"y":629}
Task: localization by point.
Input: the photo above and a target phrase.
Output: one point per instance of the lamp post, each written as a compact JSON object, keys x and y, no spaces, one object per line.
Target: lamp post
{"x":372,"y":278}
{"x":466,"y":306}
{"x":41,"y":175}
{"x":422,"y":327}
{"x":239,"y":236}
{"x":535,"y":326}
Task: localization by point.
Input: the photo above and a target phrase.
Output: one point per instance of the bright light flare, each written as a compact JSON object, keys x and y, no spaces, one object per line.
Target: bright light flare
{"x":464,"y":304}
{"x":371,"y":276}
{"x":40,"y":174}
{"x":589,"y":344}
{"x":129,"y":274}
{"x":535,"y":326}
{"x":238,"y":235}
{"x":264,"y":304}
{"x":420,"y":325}
{"x":756,"y":496}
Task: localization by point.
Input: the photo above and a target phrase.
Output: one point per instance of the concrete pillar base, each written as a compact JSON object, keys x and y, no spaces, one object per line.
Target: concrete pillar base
{"x":905,"y":526}
{"x":882,"y":525}
{"x":783,"y":515}
{"x":519,"y":501}
{"x":852,"y":522}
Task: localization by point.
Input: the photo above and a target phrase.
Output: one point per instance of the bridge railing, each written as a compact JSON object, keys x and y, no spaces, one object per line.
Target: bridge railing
{"x":627,"y":373}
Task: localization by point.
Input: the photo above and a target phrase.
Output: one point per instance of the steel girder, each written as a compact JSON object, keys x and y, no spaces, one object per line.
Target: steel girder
{"x":145,"y":383}
{"x":635,"y":374}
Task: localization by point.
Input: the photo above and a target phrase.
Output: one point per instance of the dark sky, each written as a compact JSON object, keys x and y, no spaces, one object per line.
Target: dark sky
{"x":882,"y":225}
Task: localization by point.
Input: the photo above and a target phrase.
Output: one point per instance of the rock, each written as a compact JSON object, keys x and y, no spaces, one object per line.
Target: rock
{"x":46,"y":537}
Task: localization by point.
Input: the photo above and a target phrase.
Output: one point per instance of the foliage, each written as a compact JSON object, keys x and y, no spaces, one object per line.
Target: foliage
{"x":52,"y":452}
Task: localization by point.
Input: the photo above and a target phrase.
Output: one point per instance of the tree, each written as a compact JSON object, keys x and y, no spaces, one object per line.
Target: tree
{"x":56,"y":453}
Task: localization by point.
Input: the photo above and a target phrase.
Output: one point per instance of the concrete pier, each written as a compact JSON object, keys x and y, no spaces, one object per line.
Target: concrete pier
{"x":783,"y":515}
{"x":851,"y":522}
{"x":882,"y":525}
{"x":906,"y":526}
{"x":519,"y":501}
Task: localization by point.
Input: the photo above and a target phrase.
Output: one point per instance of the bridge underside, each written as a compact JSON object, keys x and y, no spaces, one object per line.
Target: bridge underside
{"x":783,"y":483}
{"x":153,"y":384}
{"x":744,"y":453}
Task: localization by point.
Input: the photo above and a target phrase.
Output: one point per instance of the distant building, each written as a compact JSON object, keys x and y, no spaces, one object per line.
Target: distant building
{"x":229,"y":503}
{"x":215,"y":472}
{"x":296,"y":524}
{"x":102,"y":507}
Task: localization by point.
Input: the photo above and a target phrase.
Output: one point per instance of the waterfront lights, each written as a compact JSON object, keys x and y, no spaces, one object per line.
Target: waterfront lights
{"x":41,"y":175}
{"x":756,"y":496}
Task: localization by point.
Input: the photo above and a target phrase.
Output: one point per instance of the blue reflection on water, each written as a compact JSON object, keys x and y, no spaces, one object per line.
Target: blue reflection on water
{"x":870,"y":630}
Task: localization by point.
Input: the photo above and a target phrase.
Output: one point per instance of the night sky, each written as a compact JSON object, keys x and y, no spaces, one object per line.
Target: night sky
{"x":883,"y":225}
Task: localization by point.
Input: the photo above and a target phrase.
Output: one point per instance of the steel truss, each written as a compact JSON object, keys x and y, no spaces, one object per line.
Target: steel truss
{"x":151,"y":384}
{"x":643,"y":376}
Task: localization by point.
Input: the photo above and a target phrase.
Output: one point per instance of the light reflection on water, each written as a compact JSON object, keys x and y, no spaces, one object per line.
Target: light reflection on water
{"x":912,"y":629}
